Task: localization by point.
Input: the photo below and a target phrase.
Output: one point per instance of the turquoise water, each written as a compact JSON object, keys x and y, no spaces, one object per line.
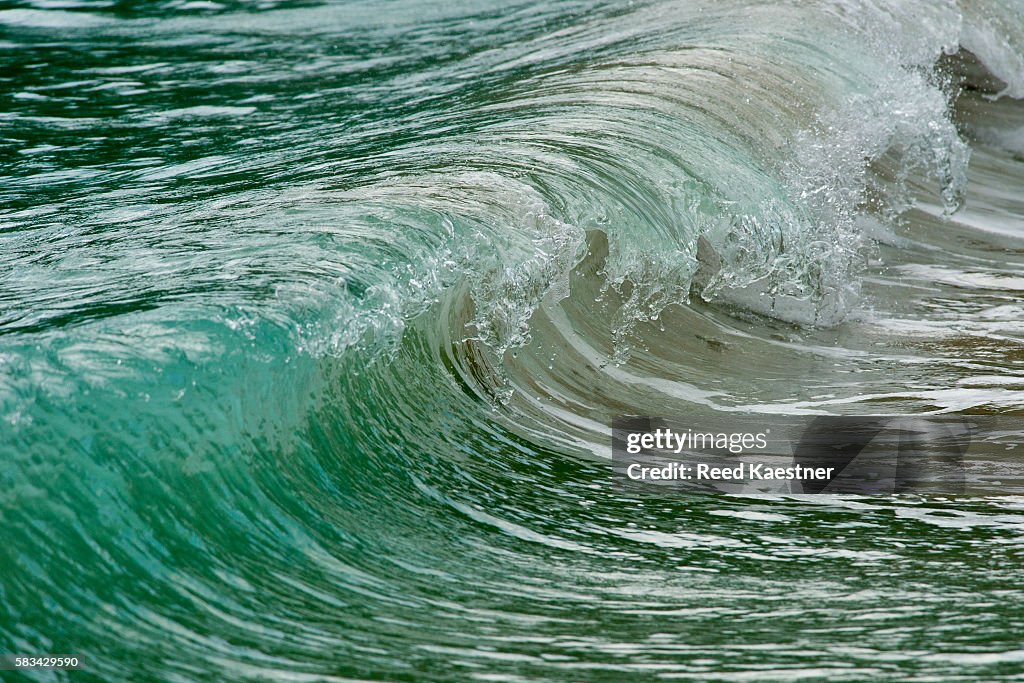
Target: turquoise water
{"x":314,"y":317}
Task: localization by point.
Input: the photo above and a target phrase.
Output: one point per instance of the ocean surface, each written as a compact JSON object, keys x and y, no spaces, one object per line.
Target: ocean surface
{"x":314,"y":317}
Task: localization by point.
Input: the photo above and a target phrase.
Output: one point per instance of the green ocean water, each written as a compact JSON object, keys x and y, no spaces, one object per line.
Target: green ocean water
{"x":314,"y":317}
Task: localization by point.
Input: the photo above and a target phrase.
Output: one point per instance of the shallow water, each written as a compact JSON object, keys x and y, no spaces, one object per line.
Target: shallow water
{"x":314,"y":318}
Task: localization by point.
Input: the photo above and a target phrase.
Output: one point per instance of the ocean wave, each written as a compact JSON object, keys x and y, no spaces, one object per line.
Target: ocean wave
{"x":316,"y":318}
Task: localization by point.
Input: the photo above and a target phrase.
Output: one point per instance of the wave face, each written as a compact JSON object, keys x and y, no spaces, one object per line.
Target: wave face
{"x":315,"y":317}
